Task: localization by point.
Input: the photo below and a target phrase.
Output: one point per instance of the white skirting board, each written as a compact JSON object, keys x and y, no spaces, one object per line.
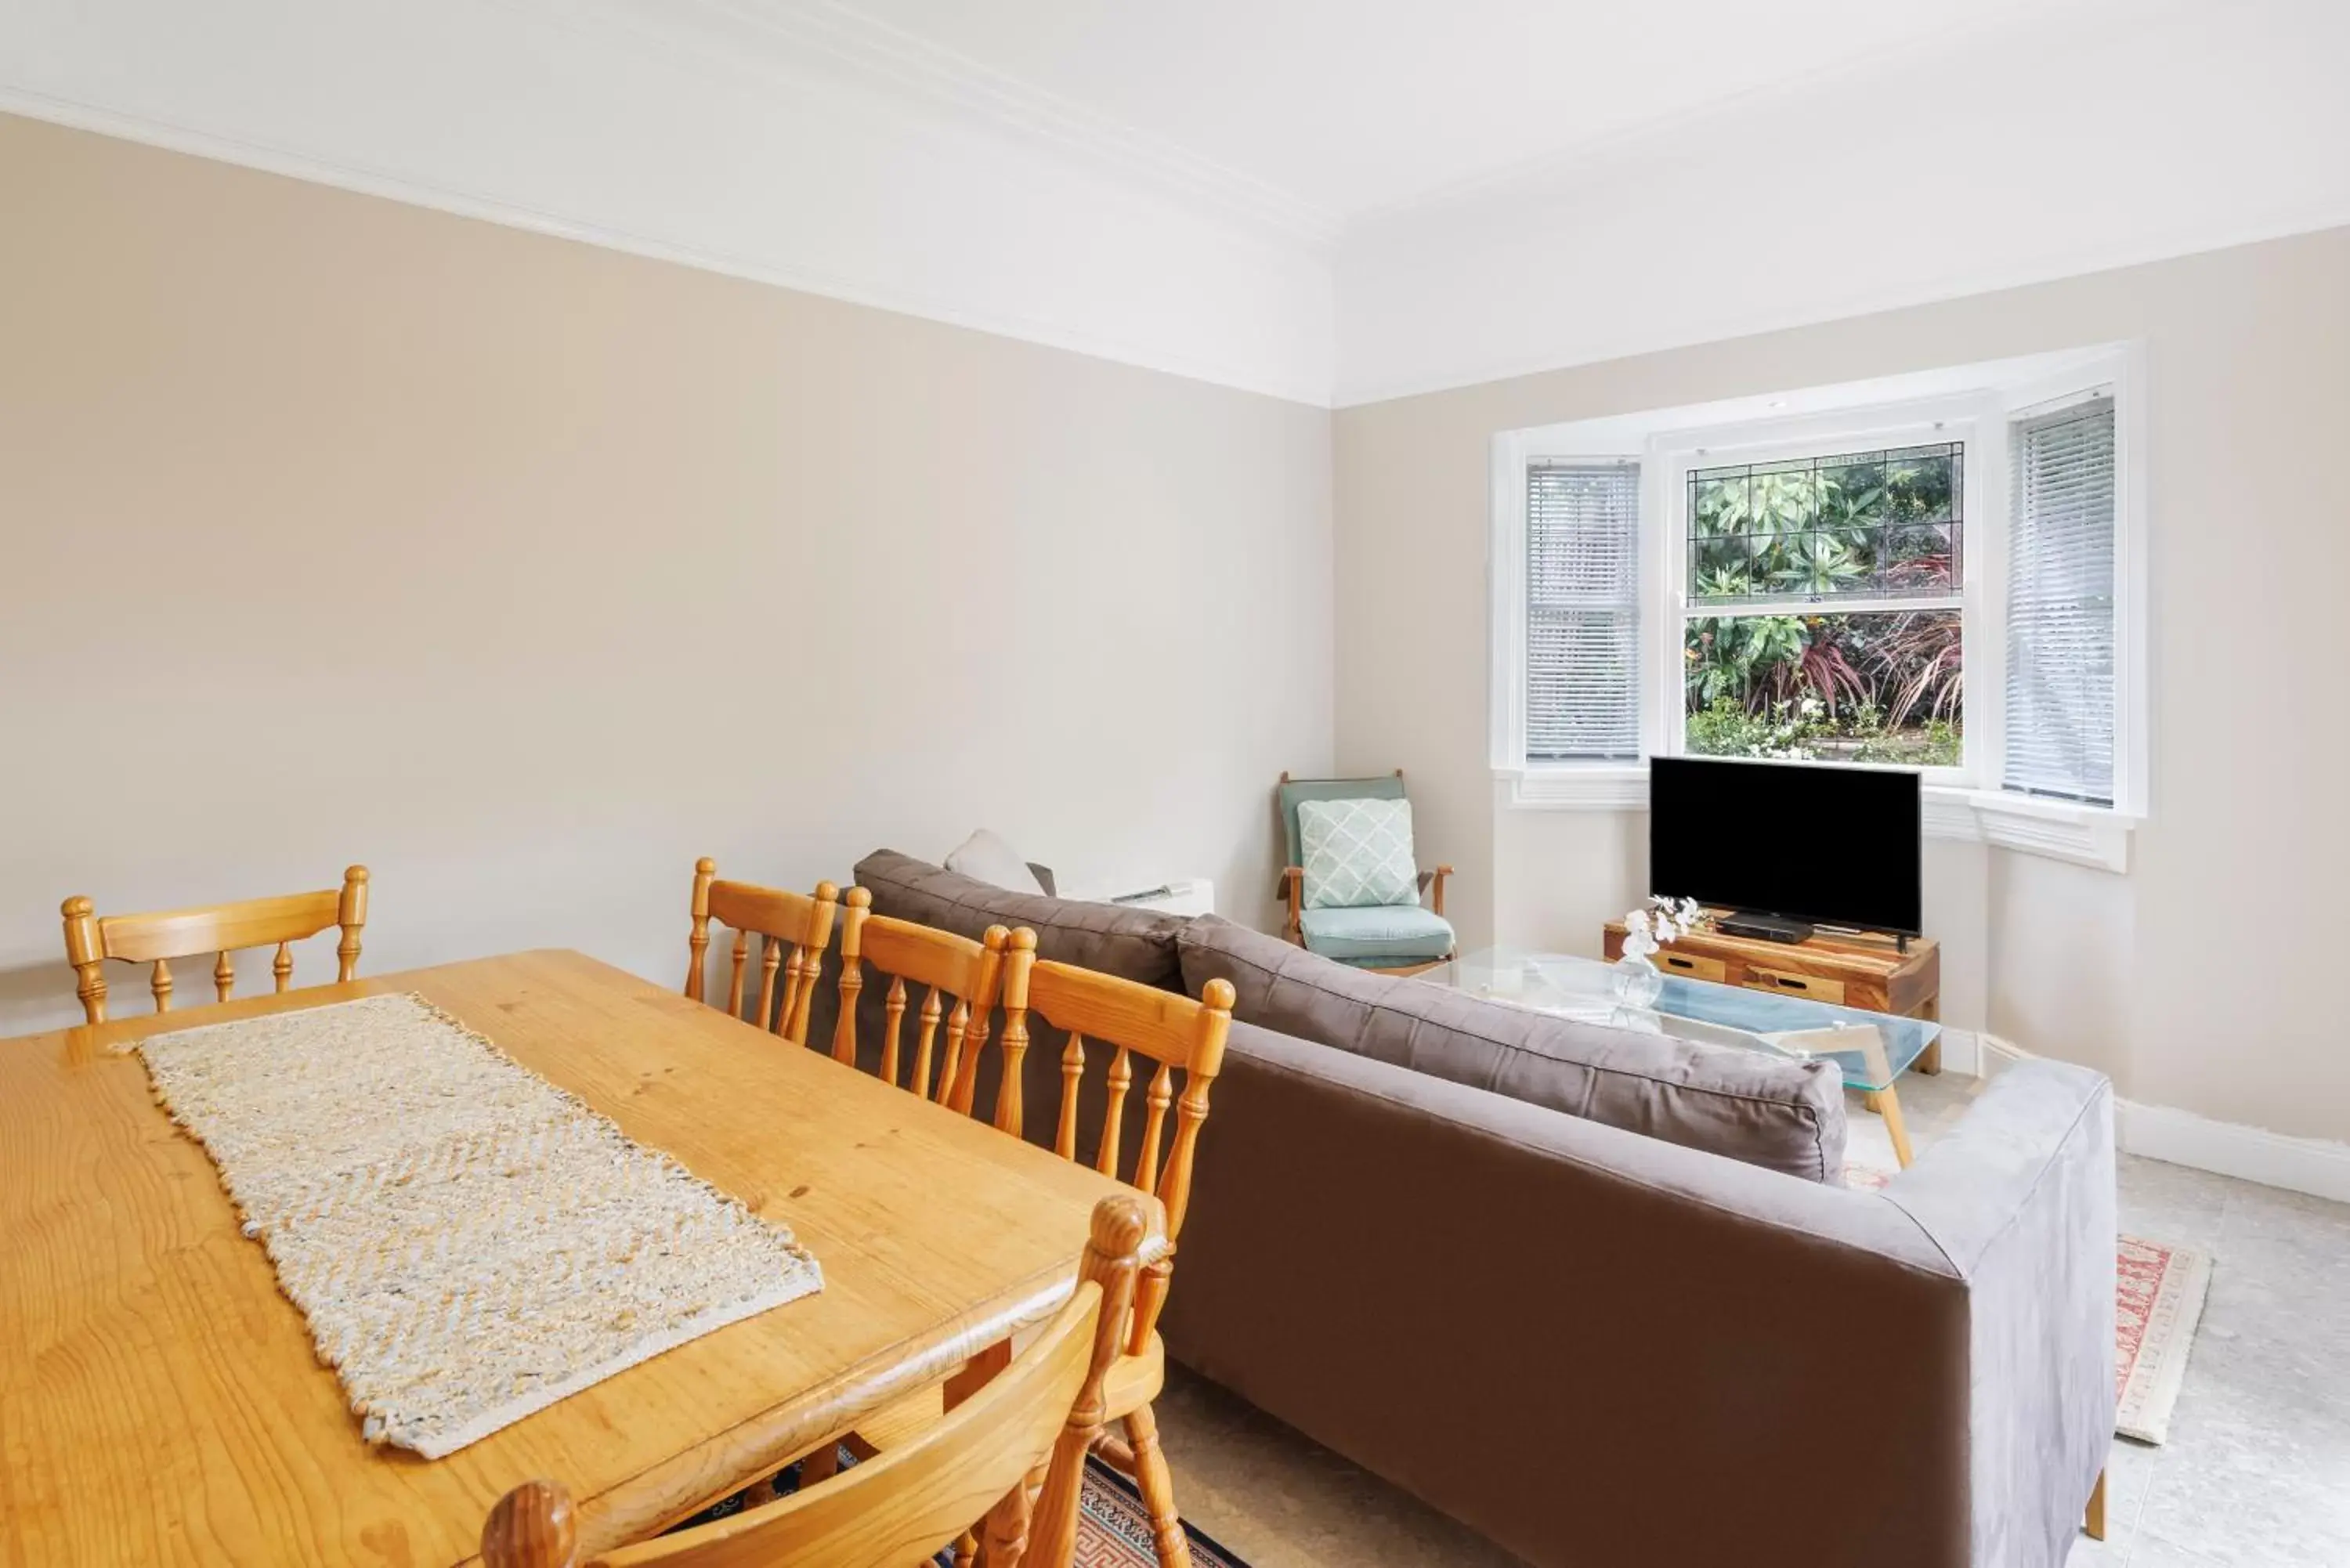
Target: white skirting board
{"x":2316,"y":1166}
{"x":1962,"y":1052}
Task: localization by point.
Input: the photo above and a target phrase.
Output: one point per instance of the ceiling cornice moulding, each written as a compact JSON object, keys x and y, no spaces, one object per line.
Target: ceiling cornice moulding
{"x":701,"y":133}
{"x":505,"y":213}
{"x":799,"y":34}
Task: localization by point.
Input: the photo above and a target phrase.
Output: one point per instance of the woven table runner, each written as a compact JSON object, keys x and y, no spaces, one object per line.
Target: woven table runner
{"x":469,"y":1242}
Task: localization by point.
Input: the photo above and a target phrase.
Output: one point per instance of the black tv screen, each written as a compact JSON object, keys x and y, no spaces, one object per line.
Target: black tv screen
{"x":1830,"y":846}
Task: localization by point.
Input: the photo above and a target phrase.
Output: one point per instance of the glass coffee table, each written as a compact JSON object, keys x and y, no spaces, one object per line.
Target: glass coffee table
{"x":1872,"y":1049}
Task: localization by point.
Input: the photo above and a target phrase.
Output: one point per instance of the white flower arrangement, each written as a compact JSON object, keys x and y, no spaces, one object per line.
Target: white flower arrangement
{"x":1646,"y":930}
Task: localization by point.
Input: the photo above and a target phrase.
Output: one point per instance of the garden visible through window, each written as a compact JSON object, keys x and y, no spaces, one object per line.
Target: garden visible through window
{"x":1821,"y":607}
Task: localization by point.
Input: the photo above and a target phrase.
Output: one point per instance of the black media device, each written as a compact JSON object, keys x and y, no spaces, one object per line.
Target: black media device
{"x":1785,"y":845}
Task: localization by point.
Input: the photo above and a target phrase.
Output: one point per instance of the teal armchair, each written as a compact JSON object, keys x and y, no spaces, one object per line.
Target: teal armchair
{"x":1402,"y":939}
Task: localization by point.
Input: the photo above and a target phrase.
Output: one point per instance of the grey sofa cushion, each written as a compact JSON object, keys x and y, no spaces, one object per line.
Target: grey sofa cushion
{"x":1135,"y":944}
{"x":1782,"y":1115}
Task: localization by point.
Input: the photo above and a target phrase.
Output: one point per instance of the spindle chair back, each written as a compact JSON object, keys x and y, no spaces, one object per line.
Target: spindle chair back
{"x":1125,"y":1019}
{"x":783,"y":920}
{"x":960,"y":981}
{"x":1176,"y":1034}
{"x":92,"y":939}
{"x":1030,"y":1428}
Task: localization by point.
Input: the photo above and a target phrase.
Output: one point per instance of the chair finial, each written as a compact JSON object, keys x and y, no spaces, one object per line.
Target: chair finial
{"x":533,"y":1526}
{"x":1118,"y":1225}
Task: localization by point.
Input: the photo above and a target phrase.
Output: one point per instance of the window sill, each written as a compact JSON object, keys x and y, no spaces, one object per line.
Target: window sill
{"x":2092,"y":835}
{"x":1595,"y":787}
{"x":2082,"y":834}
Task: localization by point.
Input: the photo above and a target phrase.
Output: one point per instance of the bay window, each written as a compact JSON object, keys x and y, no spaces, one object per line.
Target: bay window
{"x":1933,"y":571}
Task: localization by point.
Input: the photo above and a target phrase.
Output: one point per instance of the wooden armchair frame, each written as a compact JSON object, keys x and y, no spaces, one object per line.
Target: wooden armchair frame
{"x":1291,"y":890}
{"x":782,"y":919}
{"x":92,"y":940}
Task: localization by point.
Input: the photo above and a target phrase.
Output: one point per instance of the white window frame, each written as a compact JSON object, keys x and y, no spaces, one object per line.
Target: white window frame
{"x":1967,"y":421}
{"x":1974,"y":405}
{"x":1595,"y":783}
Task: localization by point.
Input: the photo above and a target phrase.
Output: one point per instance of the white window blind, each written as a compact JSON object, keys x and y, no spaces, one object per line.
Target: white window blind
{"x":2060,"y":627}
{"x":1583,"y":611}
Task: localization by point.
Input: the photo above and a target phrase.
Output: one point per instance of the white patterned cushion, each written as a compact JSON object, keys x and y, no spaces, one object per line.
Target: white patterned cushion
{"x":1357,"y":853}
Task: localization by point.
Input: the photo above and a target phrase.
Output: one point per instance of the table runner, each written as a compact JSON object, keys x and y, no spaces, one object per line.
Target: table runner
{"x":468,"y":1243}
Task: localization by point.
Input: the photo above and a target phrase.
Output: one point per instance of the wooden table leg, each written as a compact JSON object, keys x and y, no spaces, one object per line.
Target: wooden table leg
{"x":1884,"y":1101}
{"x":1889,"y":1105}
{"x":2094,"y":1522}
{"x":1930,"y":1060}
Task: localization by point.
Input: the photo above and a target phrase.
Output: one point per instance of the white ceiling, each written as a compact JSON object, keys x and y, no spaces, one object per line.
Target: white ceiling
{"x":1348,"y":106}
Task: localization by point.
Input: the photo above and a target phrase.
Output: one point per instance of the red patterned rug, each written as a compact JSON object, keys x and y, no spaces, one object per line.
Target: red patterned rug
{"x":2162,"y":1289}
{"x":1113,"y":1531}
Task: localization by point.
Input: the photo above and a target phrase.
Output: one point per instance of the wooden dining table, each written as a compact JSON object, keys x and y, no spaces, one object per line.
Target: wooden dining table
{"x":160,"y":1399}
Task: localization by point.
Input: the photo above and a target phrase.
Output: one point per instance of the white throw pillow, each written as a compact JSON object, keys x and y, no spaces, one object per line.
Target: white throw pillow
{"x":1357,"y":854}
{"x":985,"y":857}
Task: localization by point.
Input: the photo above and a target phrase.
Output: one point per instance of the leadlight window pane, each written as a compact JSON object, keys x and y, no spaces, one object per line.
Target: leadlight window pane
{"x":1851,"y":525}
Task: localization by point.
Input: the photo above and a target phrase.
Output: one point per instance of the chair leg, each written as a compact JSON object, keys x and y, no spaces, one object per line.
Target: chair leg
{"x":1158,"y":1489}
{"x":2093,"y":1522}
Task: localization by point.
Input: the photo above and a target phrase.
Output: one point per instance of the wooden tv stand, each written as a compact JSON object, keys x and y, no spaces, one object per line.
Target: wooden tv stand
{"x":1848,"y":968}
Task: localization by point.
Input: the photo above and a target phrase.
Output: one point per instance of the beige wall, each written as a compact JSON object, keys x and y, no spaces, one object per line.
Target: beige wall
{"x":525,"y":571}
{"x":333,"y":529}
{"x":2247,"y":848}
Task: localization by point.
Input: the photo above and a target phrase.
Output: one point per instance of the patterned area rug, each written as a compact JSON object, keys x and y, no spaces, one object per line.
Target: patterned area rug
{"x":1113,"y":1529}
{"x":2162,"y":1291}
{"x":467,"y":1242}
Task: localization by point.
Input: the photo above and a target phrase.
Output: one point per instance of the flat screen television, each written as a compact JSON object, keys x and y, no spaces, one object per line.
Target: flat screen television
{"x":1818,"y":845}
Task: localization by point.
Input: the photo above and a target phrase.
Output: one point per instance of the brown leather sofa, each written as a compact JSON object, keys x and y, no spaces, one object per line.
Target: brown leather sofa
{"x":1603,"y":1298}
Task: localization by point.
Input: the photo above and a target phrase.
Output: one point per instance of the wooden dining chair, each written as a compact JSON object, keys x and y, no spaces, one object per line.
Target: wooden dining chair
{"x":1028,"y":1429}
{"x":782,"y":920}
{"x":1126,"y":1019}
{"x":961,"y":980}
{"x":223,"y":928}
